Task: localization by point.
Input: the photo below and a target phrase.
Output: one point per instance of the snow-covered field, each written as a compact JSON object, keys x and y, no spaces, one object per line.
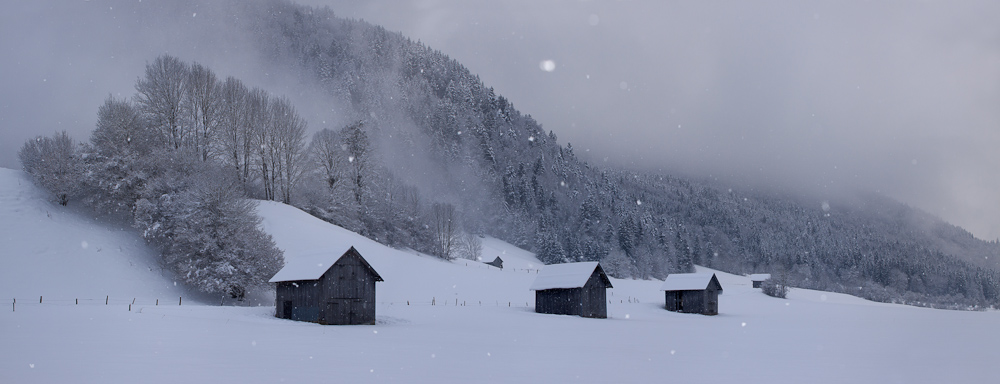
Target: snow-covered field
{"x":491,"y":335}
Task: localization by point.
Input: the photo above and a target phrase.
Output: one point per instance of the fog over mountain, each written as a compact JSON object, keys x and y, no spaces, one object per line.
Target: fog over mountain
{"x":895,"y":97}
{"x":415,"y":150}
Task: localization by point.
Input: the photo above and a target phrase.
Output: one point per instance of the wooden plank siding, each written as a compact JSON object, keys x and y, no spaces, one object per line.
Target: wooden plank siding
{"x":705,"y":302}
{"x":587,"y":301}
{"x":343,"y":295}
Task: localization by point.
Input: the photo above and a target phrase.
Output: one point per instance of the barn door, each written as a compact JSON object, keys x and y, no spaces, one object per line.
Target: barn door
{"x":341,"y":311}
{"x":678,"y":301}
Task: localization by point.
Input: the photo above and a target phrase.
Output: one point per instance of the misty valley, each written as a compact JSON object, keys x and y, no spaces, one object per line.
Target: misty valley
{"x":430,"y":171}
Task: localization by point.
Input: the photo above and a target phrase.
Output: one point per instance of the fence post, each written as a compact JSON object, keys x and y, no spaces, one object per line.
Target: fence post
{"x":39,"y":299}
{"x":77,"y":301}
{"x":106,"y":300}
{"x":157,"y":301}
{"x":179,"y":299}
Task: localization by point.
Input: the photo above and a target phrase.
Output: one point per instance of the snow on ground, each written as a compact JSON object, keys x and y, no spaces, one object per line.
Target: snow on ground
{"x":815,"y":337}
{"x":50,"y":250}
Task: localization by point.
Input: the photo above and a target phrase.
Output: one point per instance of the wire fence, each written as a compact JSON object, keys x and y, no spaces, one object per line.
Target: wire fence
{"x":135,"y":302}
{"x":108,"y":300}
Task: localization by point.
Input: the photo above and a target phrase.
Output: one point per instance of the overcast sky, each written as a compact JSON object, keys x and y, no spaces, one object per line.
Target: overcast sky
{"x":900,"y":97}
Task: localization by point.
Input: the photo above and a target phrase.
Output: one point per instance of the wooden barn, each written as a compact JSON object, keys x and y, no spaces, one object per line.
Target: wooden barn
{"x":692,"y":293}
{"x":497,"y":262}
{"x":758,"y":279}
{"x":335,"y":287}
{"x":572,"y":289}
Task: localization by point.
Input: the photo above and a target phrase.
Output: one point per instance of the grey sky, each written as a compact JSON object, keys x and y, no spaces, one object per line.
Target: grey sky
{"x":814,"y":96}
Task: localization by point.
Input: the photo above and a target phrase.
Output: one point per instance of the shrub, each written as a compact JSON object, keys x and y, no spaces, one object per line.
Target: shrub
{"x":773,"y":288}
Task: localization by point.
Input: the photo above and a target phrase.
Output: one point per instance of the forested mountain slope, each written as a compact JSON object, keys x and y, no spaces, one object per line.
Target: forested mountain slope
{"x":431,"y":156}
{"x":510,"y":178}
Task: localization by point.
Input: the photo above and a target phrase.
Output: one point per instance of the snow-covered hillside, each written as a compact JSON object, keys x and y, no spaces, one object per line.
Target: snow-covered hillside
{"x":51,"y":251}
{"x":491,"y":335}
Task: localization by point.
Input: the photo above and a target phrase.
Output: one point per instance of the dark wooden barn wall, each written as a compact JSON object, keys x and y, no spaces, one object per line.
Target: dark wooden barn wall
{"x":299,"y":300}
{"x":344,"y":295}
{"x":588,"y":301}
{"x":349,"y":293}
{"x":703,"y":301}
{"x":558,"y":301}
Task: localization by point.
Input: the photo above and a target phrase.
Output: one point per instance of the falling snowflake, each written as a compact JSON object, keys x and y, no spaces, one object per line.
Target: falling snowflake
{"x":547,"y":65}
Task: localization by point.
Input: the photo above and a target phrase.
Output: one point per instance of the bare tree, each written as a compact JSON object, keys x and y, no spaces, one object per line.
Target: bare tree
{"x":469,"y":246}
{"x":288,"y":146}
{"x":329,"y":156}
{"x":358,"y":147}
{"x":234,"y":136}
{"x":162,"y":96}
{"x":443,"y":219}
{"x":202,"y":108}
{"x":260,"y":145}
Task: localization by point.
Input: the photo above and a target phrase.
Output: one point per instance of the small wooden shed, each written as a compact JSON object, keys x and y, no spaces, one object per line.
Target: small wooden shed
{"x":497,"y":262}
{"x":758,"y":279}
{"x":572,"y":289}
{"x":335,"y":287}
{"x":692,"y":293}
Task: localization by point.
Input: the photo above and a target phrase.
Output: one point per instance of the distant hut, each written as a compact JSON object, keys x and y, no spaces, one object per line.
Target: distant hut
{"x":692,"y":293}
{"x":327,"y":288}
{"x":497,"y":262}
{"x":758,"y":278}
{"x":572,"y":289}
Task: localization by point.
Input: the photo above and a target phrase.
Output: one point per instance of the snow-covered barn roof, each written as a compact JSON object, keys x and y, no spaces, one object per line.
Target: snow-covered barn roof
{"x":312,"y":266}
{"x":689,"y":282}
{"x":760,"y":276}
{"x":569,"y":275}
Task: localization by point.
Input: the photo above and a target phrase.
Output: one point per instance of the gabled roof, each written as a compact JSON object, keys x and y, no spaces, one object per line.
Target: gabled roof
{"x":312,"y":266}
{"x":690,"y":282}
{"x":760,"y":276}
{"x":569,"y":275}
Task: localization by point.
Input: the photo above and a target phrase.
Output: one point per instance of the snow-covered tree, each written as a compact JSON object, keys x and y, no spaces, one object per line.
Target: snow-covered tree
{"x":53,"y":163}
{"x":210,"y":235}
{"x":162,"y":96}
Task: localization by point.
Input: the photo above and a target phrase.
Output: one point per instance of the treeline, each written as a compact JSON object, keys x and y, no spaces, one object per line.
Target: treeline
{"x":435,"y":157}
{"x":509,"y":178}
{"x":184,"y":157}
{"x":177,"y":161}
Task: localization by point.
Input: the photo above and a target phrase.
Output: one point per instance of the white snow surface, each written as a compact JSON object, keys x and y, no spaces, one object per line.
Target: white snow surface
{"x":759,"y":276}
{"x":567,"y":275}
{"x":687,"y":281}
{"x":491,"y":336}
{"x":309,"y":266}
